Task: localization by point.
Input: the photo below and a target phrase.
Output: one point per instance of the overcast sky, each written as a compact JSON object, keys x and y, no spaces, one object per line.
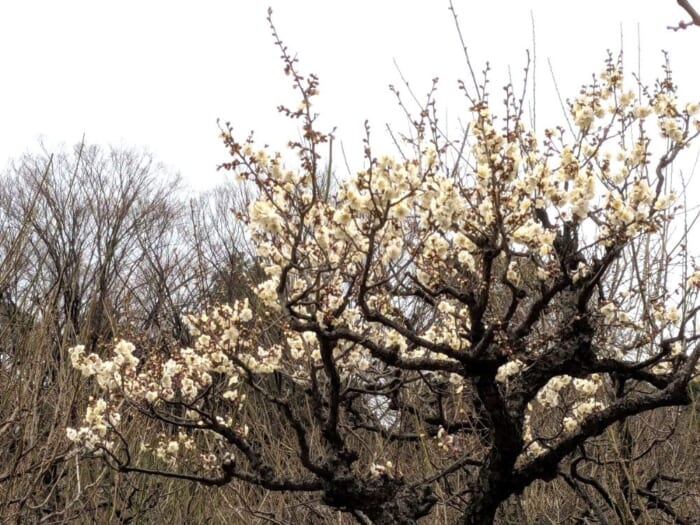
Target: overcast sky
{"x":158,"y":74}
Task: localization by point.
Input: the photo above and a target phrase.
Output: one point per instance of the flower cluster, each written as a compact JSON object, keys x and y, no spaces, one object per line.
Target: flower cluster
{"x":509,"y":369}
{"x":99,"y":419}
{"x":577,"y":399}
{"x":184,"y":377}
{"x":378,"y":470}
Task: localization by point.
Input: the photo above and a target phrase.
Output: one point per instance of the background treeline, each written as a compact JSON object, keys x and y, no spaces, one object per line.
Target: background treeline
{"x":97,"y":244}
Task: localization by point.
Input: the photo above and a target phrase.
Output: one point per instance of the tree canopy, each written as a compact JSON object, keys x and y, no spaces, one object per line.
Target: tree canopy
{"x":442,"y":328}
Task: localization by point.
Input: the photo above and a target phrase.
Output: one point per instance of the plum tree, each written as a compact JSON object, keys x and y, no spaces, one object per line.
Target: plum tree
{"x":442,"y":329}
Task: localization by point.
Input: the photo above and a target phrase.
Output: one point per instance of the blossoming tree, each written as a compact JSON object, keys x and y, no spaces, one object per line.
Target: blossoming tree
{"x":479,"y":308}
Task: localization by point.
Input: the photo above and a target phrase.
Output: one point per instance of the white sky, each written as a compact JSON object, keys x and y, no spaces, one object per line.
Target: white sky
{"x":158,"y":74}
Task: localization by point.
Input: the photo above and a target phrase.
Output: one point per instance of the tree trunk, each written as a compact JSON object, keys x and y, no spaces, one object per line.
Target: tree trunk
{"x":481,"y":511}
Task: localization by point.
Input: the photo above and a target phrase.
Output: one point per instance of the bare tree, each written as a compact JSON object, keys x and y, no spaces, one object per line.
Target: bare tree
{"x":73,"y":227}
{"x":225,"y":259}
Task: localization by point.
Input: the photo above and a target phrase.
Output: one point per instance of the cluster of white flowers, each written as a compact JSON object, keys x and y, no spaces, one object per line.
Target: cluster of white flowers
{"x":535,"y":449}
{"x":445,"y":441}
{"x":508,"y":370}
{"x":110,"y":374}
{"x":182,"y":377}
{"x":570,"y":424}
{"x":377,"y":470}
{"x":168,"y":450}
{"x":99,"y":419}
{"x":265,"y":214}
{"x":585,"y":408}
{"x":667,"y":314}
{"x":694,"y":280}
{"x":548,"y":396}
{"x":662,"y":367}
{"x":551,"y":395}
{"x":178,"y":448}
{"x":588,"y":387}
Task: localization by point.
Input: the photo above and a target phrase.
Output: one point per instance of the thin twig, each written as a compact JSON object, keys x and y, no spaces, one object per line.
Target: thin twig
{"x":694,"y":16}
